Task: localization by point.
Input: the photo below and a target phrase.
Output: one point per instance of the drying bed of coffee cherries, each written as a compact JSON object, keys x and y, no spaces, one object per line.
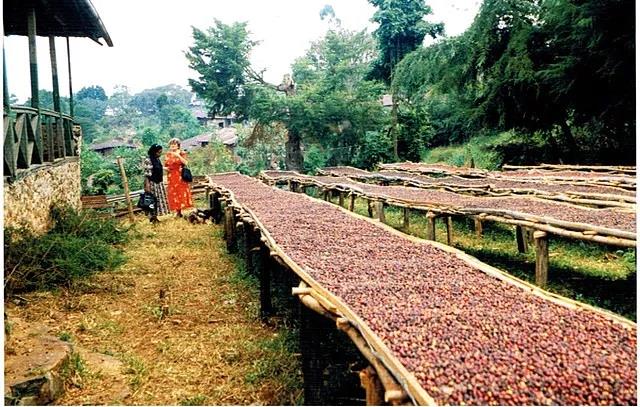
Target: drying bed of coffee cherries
{"x":565,"y":174}
{"x":608,"y":218}
{"x":496,"y":184}
{"x":466,"y":337}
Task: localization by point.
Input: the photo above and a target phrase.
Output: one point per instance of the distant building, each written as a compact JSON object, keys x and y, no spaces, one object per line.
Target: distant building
{"x":227,"y":136}
{"x":200,"y":112}
{"x":387,"y":100}
{"x":107,"y":147}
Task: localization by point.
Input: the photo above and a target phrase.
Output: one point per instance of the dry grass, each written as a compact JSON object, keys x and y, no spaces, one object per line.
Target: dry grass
{"x":186,"y":334}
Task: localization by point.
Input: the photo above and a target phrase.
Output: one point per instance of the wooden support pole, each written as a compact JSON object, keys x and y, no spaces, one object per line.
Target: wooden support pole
{"x":380,"y":211}
{"x":369,"y":208}
{"x":241,"y":233}
{"x":341,"y":199}
{"x":33,"y":57}
{"x":70,"y":86}
{"x":405,"y":219}
{"x":263,"y":265}
{"x":313,"y":360}
{"x":125,"y":184}
{"x":478,"y":226}
{"x":449,"y":224}
{"x":431,"y":226}
{"x":54,"y":74}
{"x":326,"y":195}
{"x":521,"y":239}
{"x":542,"y":258}
{"x":352,"y":202}
{"x":5,"y":86}
{"x":230,"y":229}
{"x":374,"y":391}
{"x":216,"y":207}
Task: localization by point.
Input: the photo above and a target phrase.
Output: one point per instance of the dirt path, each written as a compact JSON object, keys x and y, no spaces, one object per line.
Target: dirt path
{"x":179,"y":321}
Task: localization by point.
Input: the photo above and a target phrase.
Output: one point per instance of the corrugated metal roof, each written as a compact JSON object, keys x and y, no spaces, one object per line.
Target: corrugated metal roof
{"x":59,"y":18}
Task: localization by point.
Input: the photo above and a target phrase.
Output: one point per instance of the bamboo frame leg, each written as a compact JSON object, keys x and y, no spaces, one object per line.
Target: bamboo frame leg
{"x":263,"y":265}
{"x":431,"y":226}
{"x":369,"y":208}
{"x":313,"y":362}
{"x":405,"y":218}
{"x":230,"y":229}
{"x":217,"y":208}
{"x":373,"y":387}
{"x":380,"y":211}
{"x":542,"y":258}
{"x":325,"y":195}
{"x":521,"y":240}
{"x":478,"y":226}
{"x":341,"y":199}
{"x":449,"y":223}
{"x":352,"y":202}
{"x":241,"y":242}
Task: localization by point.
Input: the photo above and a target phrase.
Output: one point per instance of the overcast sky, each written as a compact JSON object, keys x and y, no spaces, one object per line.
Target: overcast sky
{"x":150,"y":36}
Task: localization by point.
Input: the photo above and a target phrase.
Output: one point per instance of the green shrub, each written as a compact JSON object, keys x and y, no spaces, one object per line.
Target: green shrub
{"x":78,"y":245}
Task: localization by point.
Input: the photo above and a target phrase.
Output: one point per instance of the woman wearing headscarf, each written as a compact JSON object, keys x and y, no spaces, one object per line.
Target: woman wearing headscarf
{"x":153,"y":184}
{"x":179,"y":191}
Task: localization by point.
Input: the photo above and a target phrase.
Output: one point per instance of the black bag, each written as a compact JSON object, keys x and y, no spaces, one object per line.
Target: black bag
{"x":186,"y":175}
{"x":147,"y":202}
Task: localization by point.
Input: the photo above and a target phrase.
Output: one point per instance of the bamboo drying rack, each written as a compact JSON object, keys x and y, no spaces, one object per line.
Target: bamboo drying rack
{"x":332,"y":306}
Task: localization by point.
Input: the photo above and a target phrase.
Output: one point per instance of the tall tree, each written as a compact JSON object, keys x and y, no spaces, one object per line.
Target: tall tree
{"x":402,"y":29}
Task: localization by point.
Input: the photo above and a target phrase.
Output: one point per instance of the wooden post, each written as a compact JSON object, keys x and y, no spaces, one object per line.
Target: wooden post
{"x":405,"y":219}
{"x":380,"y":211}
{"x":33,"y":57}
{"x":431,"y":226}
{"x":374,"y":391}
{"x":521,"y":239}
{"x":369,"y":208}
{"x":313,"y":361}
{"x":449,"y":230}
{"x":125,"y":184}
{"x":216,"y":207}
{"x":5,"y":86}
{"x":478,"y":226}
{"x":70,"y":86}
{"x":542,"y":257}
{"x":54,"y":74}
{"x":325,"y":194}
{"x":352,"y":202}
{"x":230,"y":229}
{"x":341,"y":199}
{"x":263,"y":265}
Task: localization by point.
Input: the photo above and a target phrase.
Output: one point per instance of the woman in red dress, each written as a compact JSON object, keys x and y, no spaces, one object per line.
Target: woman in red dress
{"x":178,"y":191}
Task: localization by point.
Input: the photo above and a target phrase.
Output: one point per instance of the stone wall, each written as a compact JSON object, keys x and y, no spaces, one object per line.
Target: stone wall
{"x":28,"y":200}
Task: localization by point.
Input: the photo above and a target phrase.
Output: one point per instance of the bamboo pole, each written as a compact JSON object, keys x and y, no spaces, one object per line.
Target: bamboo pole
{"x":125,"y":184}
{"x":352,"y":201}
{"x":374,"y":392}
{"x":380,"y":211}
{"x":478,"y":225}
{"x":405,"y":218}
{"x":521,"y":239}
{"x":431,"y":226}
{"x":542,"y":258}
{"x":449,"y":231}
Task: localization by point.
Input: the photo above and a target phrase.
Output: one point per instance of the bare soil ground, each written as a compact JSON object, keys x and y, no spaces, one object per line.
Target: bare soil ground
{"x":185,"y":332}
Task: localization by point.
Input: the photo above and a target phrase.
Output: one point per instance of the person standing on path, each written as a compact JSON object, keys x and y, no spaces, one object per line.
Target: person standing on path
{"x":153,"y":173}
{"x":179,"y":190}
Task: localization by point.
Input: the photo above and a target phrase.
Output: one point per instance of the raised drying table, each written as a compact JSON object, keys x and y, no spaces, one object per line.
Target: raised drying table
{"x":449,"y":328}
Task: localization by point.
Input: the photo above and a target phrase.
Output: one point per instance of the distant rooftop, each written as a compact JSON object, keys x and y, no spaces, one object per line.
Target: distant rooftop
{"x":111,"y":144}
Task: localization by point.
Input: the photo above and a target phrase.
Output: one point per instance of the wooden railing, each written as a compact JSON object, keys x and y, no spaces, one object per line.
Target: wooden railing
{"x":34,"y":137}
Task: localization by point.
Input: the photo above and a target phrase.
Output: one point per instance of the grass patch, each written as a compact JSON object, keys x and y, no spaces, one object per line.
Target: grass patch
{"x":74,"y":370}
{"x":78,"y":245}
{"x":136,"y":369}
{"x":65,"y":336}
{"x":197,"y":400}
